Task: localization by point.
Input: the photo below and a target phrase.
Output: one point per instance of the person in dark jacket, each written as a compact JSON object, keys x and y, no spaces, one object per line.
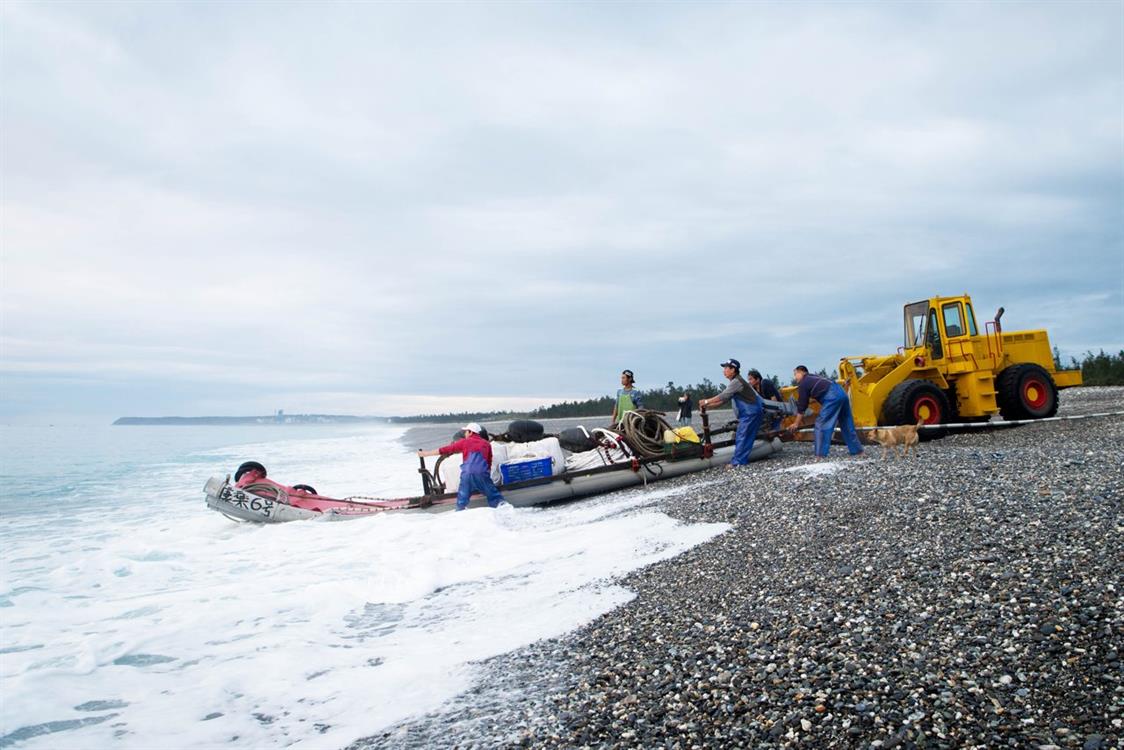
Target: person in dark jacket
{"x":834,"y":407}
{"x":768,"y":390}
{"x":685,"y":406}
{"x":747,"y":405}
{"x":765,"y":387}
{"x":476,"y":466}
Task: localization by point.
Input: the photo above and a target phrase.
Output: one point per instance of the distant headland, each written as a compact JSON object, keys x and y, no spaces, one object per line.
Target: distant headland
{"x":661,"y":399}
{"x":278,"y":418}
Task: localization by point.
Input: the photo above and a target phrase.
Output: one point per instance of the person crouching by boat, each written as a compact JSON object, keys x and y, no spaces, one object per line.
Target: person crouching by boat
{"x":628,"y":398}
{"x":476,"y":466}
{"x":251,"y":472}
{"x":747,"y":406}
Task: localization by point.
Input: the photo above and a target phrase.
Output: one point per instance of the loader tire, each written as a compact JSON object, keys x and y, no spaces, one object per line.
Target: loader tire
{"x":914,"y":401}
{"x":1026,"y":392}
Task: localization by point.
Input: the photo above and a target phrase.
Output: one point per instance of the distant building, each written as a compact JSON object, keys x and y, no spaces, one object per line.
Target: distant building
{"x":280,"y":417}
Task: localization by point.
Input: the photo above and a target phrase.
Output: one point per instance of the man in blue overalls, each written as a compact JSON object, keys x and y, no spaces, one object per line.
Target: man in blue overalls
{"x":834,"y":406}
{"x":746,"y":405}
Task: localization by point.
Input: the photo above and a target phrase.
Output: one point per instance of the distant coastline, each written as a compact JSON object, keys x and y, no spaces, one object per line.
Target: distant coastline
{"x":272,"y":419}
{"x":661,"y":399}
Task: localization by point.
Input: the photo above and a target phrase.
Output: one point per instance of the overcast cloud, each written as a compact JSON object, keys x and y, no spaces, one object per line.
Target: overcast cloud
{"x":229,"y":208}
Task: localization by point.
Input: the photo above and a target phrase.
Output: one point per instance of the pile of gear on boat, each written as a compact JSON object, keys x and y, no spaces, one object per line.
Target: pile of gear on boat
{"x":526,"y":452}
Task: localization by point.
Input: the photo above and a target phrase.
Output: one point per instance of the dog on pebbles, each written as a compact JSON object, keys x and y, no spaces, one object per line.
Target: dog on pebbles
{"x":890,"y":438}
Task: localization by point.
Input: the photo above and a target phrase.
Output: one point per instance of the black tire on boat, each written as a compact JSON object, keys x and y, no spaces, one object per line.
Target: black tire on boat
{"x":576,"y":440}
{"x":525,"y":431}
{"x":249,"y":466}
{"x":307,"y":488}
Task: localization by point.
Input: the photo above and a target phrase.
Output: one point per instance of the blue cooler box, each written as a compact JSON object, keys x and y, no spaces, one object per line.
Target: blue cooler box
{"x":524,"y":470}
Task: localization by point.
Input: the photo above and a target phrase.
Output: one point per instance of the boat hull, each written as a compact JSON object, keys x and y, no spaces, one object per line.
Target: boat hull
{"x":561,"y":490}
{"x":243,"y":505}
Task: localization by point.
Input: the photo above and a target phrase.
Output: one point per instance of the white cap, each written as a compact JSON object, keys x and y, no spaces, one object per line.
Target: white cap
{"x":473,"y":427}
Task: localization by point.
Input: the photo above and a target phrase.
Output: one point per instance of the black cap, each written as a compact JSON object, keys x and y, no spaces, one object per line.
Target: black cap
{"x":629,"y":374}
{"x":731,"y":362}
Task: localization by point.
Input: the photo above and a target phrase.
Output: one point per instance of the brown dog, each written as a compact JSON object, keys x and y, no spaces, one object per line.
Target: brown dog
{"x":891,"y":437}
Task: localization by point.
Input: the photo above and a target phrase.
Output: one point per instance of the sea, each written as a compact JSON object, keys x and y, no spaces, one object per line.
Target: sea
{"x":131,"y":616}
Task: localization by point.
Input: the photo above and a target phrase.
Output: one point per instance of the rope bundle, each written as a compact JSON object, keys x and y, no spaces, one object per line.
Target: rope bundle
{"x":643,"y":431}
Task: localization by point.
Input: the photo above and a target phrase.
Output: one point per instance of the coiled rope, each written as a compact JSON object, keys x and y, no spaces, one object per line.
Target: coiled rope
{"x":643,"y":431}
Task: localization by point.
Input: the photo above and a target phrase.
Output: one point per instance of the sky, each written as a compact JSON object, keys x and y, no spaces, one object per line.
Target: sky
{"x":402,"y":208}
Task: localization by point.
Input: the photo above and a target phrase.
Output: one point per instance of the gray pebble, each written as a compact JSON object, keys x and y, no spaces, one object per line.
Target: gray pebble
{"x":970,"y":597}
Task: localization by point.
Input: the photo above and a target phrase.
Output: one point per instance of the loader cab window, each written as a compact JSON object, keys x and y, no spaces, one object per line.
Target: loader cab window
{"x":972,"y":331}
{"x":933,"y":336}
{"x":915,"y":315}
{"x":953,"y":320}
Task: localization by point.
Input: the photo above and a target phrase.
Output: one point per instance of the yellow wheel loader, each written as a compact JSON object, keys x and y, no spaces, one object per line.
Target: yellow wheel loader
{"x":949,"y":370}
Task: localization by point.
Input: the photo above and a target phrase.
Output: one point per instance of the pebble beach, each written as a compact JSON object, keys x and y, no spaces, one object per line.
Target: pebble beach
{"x":972,"y":596}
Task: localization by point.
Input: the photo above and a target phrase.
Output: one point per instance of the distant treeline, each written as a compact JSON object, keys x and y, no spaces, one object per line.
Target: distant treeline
{"x":1097,"y":369}
{"x":661,"y":399}
{"x":460,"y":416}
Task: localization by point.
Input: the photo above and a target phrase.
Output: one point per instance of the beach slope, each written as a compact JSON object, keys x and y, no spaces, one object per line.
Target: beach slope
{"x":969,"y":598}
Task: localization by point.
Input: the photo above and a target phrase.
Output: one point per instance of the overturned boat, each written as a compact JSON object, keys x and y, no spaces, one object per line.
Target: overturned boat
{"x":537,"y":471}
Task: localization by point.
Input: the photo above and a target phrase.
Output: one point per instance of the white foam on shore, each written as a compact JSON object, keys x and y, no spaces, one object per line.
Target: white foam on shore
{"x":180,"y":628}
{"x":821,"y":469}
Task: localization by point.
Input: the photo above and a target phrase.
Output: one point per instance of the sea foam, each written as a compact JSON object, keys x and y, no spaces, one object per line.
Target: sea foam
{"x":148,"y":621}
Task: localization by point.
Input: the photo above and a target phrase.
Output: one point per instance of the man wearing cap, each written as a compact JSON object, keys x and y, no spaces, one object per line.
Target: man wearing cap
{"x":628,"y":398}
{"x":834,"y":406}
{"x":747,"y":405}
{"x":476,"y":466}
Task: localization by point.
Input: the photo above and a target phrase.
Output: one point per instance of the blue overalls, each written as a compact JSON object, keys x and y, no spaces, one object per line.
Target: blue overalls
{"x":774,"y":423}
{"x":835,"y":406}
{"x":475,"y":477}
{"x":749,"y":422}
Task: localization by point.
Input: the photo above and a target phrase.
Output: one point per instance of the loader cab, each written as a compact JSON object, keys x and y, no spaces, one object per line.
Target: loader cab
{"x":921,"y":328}
{"x":933,"y":322}
{"x":958,"y":318}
